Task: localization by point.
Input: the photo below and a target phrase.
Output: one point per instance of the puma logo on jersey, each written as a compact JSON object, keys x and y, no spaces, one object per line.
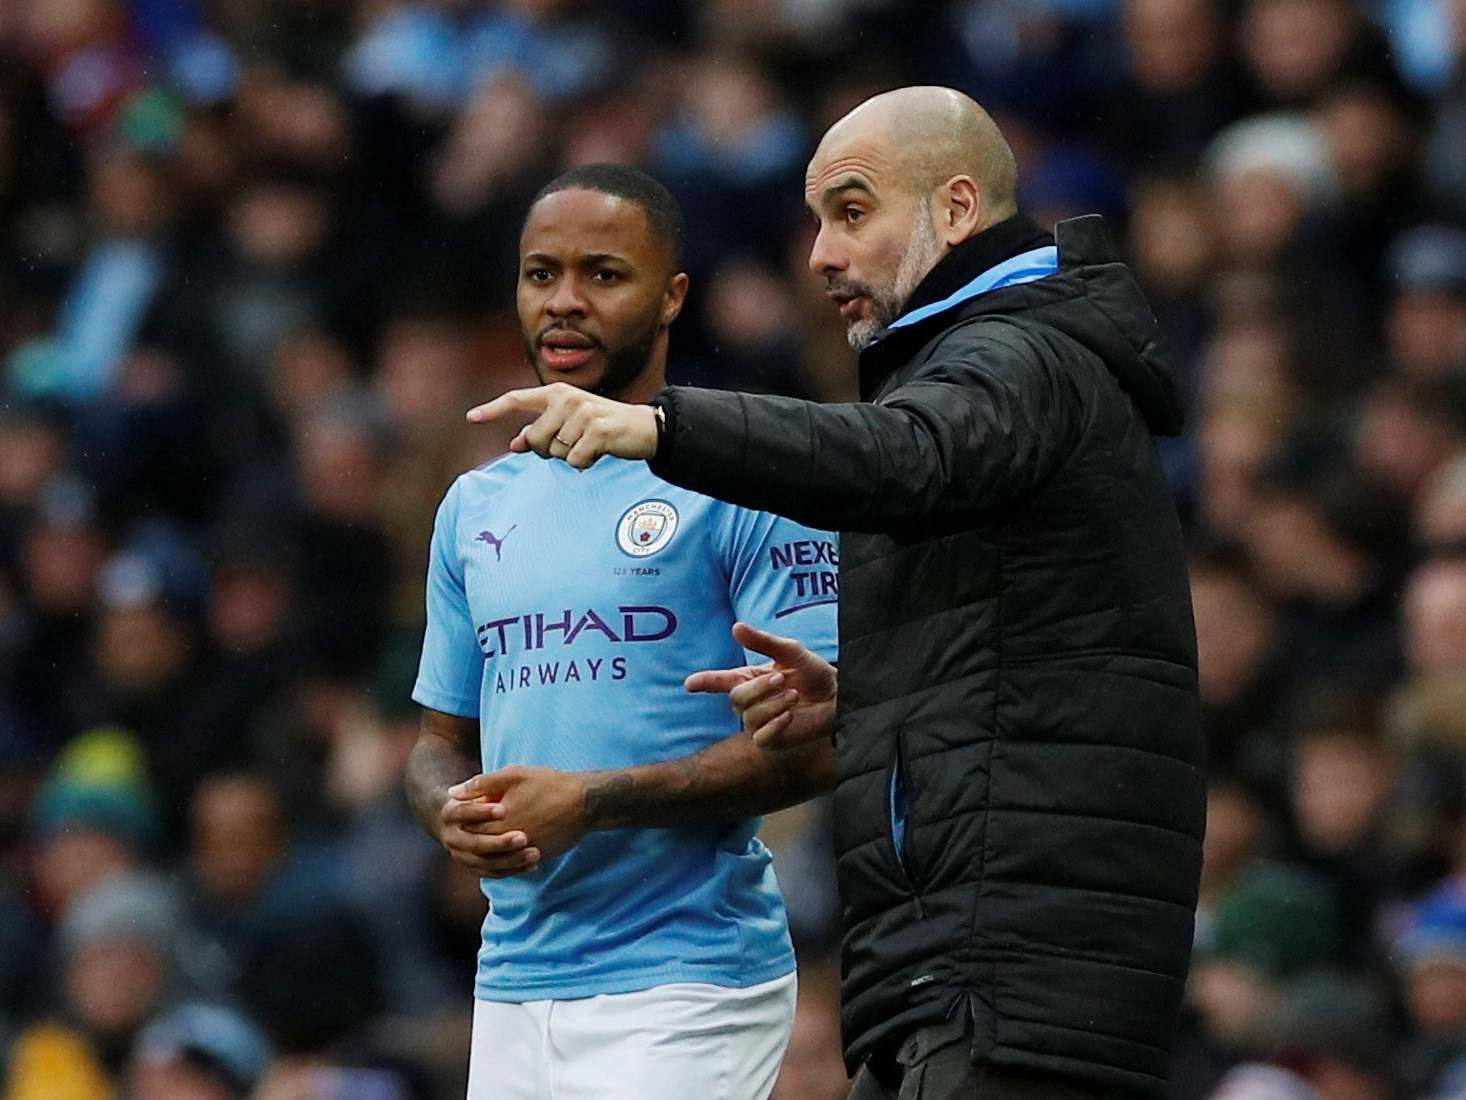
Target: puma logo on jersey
{"x":496,"y":541}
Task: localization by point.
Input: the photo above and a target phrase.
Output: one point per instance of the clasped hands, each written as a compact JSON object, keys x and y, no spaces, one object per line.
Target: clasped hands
{"x":510,"y":821}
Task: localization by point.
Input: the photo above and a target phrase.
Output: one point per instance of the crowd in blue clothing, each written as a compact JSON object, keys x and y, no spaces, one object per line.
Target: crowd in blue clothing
{"x":257,"y":257}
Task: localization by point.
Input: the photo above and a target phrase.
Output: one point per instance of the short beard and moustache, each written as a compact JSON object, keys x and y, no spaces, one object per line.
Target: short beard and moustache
{"x":921,"y":255}
{"x":624,"y":364}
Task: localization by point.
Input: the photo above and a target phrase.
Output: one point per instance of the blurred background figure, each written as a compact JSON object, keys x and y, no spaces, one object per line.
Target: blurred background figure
{"x":118,"y":950}
{"x":198,"y":1052}
{"x":1427,"y":320}
{"x":813,"y":1068}
{"x":257,"y":257}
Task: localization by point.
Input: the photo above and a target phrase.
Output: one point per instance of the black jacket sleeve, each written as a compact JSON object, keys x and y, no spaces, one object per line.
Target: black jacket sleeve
{"x":980,"y":426}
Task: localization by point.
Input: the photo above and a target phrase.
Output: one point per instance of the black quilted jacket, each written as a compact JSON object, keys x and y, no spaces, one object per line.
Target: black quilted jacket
{"x":1017,"y":660}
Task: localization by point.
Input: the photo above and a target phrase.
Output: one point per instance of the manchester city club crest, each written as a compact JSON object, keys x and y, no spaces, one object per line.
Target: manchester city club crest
{"x":646,"y":528}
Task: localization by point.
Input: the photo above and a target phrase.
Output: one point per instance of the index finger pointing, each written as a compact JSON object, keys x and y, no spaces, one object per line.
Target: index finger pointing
{"x":785,"y":650}
{"x":535,"y":399}
{"x":718,"y":681}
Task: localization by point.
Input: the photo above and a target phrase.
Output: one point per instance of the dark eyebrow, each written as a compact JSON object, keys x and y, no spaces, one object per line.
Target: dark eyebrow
{"x":589,"y":260}
{"x":849,"y":183}
{"x":834,"y":191}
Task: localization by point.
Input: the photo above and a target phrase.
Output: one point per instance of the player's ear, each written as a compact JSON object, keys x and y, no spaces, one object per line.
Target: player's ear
{"x":673,"y":297}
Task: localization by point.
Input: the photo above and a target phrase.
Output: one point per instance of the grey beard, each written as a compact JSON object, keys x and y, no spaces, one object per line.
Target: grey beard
{"x":921,"y":255}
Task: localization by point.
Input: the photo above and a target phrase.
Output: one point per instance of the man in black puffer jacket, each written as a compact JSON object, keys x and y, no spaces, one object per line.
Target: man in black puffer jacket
{"x":1020,"y":803}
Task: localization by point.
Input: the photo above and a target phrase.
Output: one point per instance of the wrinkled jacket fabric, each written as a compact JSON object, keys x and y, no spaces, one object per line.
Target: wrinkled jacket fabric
{"x":1020,"y":805}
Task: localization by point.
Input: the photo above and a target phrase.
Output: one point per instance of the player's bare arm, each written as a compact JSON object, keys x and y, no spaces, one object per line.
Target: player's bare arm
{"x":726,"y":781}
{"x":445,"y":755}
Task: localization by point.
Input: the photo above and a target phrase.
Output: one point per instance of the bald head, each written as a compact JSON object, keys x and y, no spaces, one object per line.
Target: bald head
{"x":895,"y":185}
{"x":932,"y":135}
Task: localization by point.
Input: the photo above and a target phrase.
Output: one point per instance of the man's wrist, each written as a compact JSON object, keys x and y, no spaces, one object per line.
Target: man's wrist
{"x":665,"y":412}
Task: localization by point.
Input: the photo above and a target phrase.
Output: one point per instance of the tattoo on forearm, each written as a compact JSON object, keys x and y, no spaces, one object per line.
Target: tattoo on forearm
{"x":692,"y":772}
{"x":728,"y":780}
{"x":432,"y":768}
{"x":605,"y":799}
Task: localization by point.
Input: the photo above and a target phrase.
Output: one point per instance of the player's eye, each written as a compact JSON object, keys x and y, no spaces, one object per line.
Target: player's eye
{"x":538,"y":275}
{"x":606,"y":275}
{"x":853,"y":214}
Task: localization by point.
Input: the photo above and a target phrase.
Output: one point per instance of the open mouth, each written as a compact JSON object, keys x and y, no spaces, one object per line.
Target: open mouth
{"x":848,"y":297}
{"x":566,"y":349}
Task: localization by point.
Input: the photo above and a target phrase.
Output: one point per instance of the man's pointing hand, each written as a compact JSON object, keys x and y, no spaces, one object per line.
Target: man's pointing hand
{"x":572,"y":424}
{"x":783,"y":705}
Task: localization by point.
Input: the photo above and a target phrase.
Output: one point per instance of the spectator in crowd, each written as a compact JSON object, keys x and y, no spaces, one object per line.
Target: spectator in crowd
{"x":1440,"y":513}
{"x":1427,"y":320}
{"x":347,"y":559}
{"x":425,"y":911}
{"x":1444,"y":161}
{"x":1177,"y":92}
{"x":1268,"y":174}
{"x":1435,"y":618}
{"x":1372,"y":133}
{"x":1341,"y":775}
{"x":198,"y":1051}
{"x":94,"y":818}
{"x":1240,"y":656}
{"x":119,"y":278}
{"x":118,"y":949}
{"x":1409,"y":428}
{"x":1273,"y":924}
{"x":1326,"y":1043}
{"x":280,"y":932}
{"x":60,"y":553}
{"x":1430,"y":956}
{"x":1325,"y":545}
{"x":1292,"y":50}
{"x":245,"y":880}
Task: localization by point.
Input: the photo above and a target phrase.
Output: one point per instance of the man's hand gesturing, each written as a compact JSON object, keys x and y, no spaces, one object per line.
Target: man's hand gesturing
{"x":572,"y":424}
{"x":783,"y":705}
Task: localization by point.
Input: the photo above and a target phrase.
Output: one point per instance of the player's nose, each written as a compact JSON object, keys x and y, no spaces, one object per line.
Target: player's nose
{"x":567,"y":299}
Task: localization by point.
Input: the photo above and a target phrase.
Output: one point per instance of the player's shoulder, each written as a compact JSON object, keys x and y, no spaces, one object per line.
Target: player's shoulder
{"x":492,"y":476}
{"x":738,"y":517}
{"x":501,"y":467}
{"x":475,"y":488}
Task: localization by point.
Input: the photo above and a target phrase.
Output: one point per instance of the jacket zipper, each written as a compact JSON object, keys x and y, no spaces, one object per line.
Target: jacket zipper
{"x":899,"y":805}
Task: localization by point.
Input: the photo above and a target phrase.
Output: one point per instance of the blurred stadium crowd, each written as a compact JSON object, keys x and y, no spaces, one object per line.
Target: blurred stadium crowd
{"x":257,"y":257}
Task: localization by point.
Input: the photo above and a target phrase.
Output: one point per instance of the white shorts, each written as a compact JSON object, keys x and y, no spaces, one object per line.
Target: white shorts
{"x":673,"y":1042}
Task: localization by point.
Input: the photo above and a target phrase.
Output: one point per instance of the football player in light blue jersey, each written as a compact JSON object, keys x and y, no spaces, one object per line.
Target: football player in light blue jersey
{"x":636,"y":944}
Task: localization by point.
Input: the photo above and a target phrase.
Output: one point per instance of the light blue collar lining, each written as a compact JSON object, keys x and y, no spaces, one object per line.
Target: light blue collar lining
{"x":1024,"y":268}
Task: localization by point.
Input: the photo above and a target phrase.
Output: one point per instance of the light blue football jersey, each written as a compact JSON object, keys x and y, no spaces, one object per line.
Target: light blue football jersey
{"x":565,"y":609}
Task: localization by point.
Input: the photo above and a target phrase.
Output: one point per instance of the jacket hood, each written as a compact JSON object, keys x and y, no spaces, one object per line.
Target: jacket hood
{"x":1093,"y":299}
